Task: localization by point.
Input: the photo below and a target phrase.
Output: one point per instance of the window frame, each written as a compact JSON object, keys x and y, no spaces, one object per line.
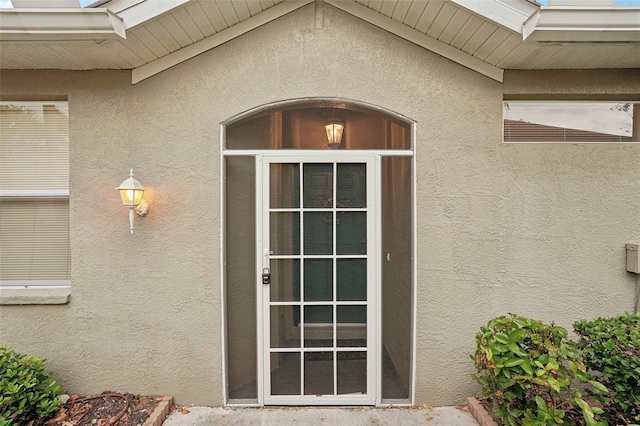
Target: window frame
{"x":547,"y":132}
{"x":38,"y":291}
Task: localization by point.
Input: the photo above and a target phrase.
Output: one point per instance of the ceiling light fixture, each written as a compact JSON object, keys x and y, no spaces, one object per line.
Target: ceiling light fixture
{"x":335,"y":128}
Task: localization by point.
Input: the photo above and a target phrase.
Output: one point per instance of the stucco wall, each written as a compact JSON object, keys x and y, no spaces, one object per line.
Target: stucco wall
{"x":534,"y":229}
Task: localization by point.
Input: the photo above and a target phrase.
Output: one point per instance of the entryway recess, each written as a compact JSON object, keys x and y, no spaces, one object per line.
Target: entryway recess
{"x":318,"y":247}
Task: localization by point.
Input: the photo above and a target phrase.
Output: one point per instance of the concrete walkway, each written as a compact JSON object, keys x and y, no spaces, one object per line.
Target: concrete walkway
{"x":359,"y":416}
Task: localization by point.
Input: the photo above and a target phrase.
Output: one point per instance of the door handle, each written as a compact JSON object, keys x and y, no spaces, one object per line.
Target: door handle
{"x":266,"y":273}
{"x":266,"y":276}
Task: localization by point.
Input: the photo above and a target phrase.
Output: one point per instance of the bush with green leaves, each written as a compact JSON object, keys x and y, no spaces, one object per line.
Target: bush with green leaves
{"x":27,"y":390}
{"x":611,"y":349}
{"x":527,"y":370}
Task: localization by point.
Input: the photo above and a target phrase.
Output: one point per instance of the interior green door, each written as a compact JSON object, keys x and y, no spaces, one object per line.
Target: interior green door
{"x":319,"y":315}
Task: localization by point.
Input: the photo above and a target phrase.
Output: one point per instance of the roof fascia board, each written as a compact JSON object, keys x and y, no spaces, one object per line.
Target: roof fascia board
{"x":168,"y":61}
{"x":31,"y":24}
{"x":96,"y":3}
{"x":403,"y":31}
{"x":117,"y":6}
{"x":509,"y":14}
{"x":138,"y":12}
{"x":583,"y":25}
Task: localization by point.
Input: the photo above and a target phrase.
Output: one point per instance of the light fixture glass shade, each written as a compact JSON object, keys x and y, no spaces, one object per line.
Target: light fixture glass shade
{"x":334,"y":128}
{"x":131,"y":191}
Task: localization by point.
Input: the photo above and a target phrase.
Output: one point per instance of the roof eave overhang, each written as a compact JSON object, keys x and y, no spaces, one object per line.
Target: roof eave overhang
{"x":152,"y":68}
{"x":509,"y":14}
{"x":137,"y":12}
{"x":59,"y":24}
{"x":583,"y":25}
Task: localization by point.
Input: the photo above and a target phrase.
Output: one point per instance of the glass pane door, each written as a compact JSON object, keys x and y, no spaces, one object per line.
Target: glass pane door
{"x":318,"y":305}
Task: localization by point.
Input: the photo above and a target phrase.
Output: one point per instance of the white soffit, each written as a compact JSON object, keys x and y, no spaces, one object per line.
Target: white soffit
{"x":30,"y":24}
{"x":509,"y":14}
{"x":483,"y":35}
{"x":581,"y":22}
{"x":583,"y":25}
{"x":401,"y":30}
{"x":136,"y":12}
{"x":166,"y":62}
{"x":75,"y":23}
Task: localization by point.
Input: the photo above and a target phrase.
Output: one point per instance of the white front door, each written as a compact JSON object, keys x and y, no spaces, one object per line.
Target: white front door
{"x":318,"y":278}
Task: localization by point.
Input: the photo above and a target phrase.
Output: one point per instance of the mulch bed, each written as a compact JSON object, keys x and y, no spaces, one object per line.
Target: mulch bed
{"x":106,"y":409}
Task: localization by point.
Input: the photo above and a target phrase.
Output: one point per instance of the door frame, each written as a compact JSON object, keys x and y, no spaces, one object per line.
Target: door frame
{"x":226,"y":152}
{"x":374,"y":274}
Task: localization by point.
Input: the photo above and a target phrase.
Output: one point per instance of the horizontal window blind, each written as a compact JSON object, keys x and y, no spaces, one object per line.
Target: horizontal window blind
{"x":34,"y":146}
{"x":34,"y":239}
{"x":571,"y":121}
{"x":34,"y":160}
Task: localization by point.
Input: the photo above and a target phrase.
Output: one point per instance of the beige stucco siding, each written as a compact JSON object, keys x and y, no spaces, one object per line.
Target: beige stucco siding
{"x":533,"y":229}
{"x":144,"y":308}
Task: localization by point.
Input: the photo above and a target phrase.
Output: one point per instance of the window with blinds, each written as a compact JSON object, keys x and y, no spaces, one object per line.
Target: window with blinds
{"x":571,"y":121}
{"x":34,"y":194}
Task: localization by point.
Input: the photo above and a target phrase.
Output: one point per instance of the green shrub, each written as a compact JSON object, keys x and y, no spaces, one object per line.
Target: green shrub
{"x":526,"y":369}
{"x":611,"y":348}
{"x":27,"y":390}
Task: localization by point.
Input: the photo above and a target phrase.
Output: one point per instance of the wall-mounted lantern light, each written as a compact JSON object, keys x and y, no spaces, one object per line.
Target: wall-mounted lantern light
{"x":334,"y":127}
{"x":131,"y":192}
